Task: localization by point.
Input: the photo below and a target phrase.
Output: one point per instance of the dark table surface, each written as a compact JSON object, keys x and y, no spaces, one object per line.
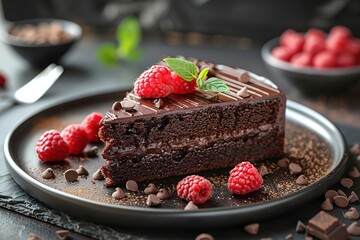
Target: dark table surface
{"x":21,"y":214}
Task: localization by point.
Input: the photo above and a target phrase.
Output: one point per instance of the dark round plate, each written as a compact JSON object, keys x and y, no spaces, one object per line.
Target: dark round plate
{"x":311,"y":141}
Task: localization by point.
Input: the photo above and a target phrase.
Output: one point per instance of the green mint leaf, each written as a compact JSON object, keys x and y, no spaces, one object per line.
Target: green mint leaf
{"x":203,"y":73}
{"x":200,"y":83}
{"x":216,"y":85}
{"x":185,"y":69}
{"x":106,"y":54}
{"x":134,"y":55}
{"x":128,"y":35}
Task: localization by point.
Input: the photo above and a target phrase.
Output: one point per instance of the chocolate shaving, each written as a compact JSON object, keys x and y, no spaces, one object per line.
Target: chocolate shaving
{"x":294,"y":168}
{"x":127,"y":105}
{"x":204,"y":236}
{"x":63,"y":234}
{"x":354,"y":172}
{"x":327,"y":205}
{"x":353,"y":229}
{"x":330,"y":194}
{"x":151,"y":188}
{"x":48,"y":174}
{"x":116,"y":106}
{"x":71,"y":175}
{"x":132,"y":186}
{"x":351,"y":214}
{"x":82,"y":171}
{"x":98,"y":175}
{"x":302,"y":180}
{"x":163,"y":194}
{"x":159,"y":103}
{"x":243,"y":76}
{"x":341,"y":201}
{"x":243,"y":93}
{"x":252,"y":229}
{"x":118,"y":194}
{"x":355,"y":149}
{"x":152,"y":200}
{"x":191,"y":206}
{"x":300,"y":227}
{"x":346,"y":182}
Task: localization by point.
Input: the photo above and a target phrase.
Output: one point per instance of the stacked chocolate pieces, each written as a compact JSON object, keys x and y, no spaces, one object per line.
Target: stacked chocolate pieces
{"x":183,"y":134}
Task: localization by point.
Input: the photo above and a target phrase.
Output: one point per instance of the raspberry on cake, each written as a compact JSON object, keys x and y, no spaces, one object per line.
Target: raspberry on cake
{"x":197,"y":131}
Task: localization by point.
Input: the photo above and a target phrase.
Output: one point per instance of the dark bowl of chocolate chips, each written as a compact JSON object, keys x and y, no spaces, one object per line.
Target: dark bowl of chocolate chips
{"x":41,"y":41}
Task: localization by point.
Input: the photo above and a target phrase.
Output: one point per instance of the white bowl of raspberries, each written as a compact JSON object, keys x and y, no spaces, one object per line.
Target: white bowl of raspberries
{"x":315,"y":61}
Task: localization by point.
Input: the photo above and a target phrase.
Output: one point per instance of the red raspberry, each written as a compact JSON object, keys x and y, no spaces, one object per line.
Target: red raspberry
{"x":244,"y":178}
{"x":314,"y":32}
{"x":281,"y":53}
{"x":182,"y":86}
{"x":345,"y":59}
{"x":340,"y":31}
{"x":324,"y":59}
{"x":295,"y":43}
{"x":2,"y":81}
{"x":284,"y":37}
{"x":314,"y":44}
{"x":194,"y":188}
{"x":91,"y":125}
{"x":353,"y":46}
{"x":76,"y":138}
{"x":156,"y":82}
{"x":51,"y":147}
{"x":301,"y":59}
{"x":336,"y":43}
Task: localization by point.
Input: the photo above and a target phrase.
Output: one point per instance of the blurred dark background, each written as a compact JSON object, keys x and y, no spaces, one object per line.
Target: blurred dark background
{"x":256,"y":19}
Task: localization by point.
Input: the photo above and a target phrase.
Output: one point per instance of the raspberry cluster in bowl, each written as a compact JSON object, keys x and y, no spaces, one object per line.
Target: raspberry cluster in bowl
{"x":315,"y":48}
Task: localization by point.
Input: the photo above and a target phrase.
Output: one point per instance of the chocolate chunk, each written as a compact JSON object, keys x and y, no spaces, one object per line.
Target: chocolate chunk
{"x":289,"y":236}
{"x":62,"y":234}
{"x":326,"y":226}
{"x":283,"y":163}
{"x":346,"y":182}
{"x":355,"y":149}
{"x":127,"y":105}
{"x":92,"y":151}
{"x":330,"y":194}
{"x":354,"y":172}
{"x":152,"y":200}
{"x":159,"y":103}
{"x":244,"y":77}
{"x":81,"y":171}
{"x":294,"y":168}
{"x":302,"y":180}
{"x":353,"y":197}
{"x":243,"y":93}
{"x":204,"y":236}
{"x":300,"y":227}
{"x":327,"y":205}
{"x":163,"y":194}
{"x":116,"y":106}
{"x":353,"y":229}
{"x":252,"y":229}
{"x":341,"y":201}
{"x":263,"y":170}
{"x":351,"y":214}
{"x":132,"y":186}
{"x":118,"y":194}
{"x":71,"y":175}
{"x":98,"y":175}
{"x":191,"y":206}
{"x":33,"y":236}
{"x":48,"y":174}
{"x":151,"y":188}
{"x":341,"y":193}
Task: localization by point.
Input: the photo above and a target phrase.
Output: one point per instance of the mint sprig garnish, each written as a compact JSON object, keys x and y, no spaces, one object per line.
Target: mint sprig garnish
{"x":128,"y":36}
{"x":188,"y":71}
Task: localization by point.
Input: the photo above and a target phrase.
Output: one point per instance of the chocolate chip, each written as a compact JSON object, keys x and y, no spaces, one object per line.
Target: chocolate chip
{"x":33,"y":236}
{"x":132,"y":186}
{"x":302,"y":180}
{"x":327,"y":205}
{"x":351,"y":214}
{"x":341,"y":193}
{"x":294,"y":168}
{"x":92,"y":151}
{"x":354,"y":172}
{"x":204,"y":236}
{"x":98,"y":175}
{"x":152,"y":200}
{"x":62,"y":234}
{"x":353,"y":197}
{"x":191,"y":206}
{"x":341,"y":201}
{"x":330,"y":194}
{"x":116,"y":106}
{"x":244,"y":77}
{"x":353,"y":229}
{"x":283,"y":163}
{"x":48,"y":174}
{"x":355,"y":149}
{"x":300,"y":227}
{"x":346,"y":182}
{"x":163,"y":194}
{"x":243,"y":93}
{"x":263,"y":170}
{"x":252,"y":229}
{"x":151,"y":188}
{"x":71,"y":175}
{"x":159,"y":103}
{"x":289,"y":236}
{"x":127,"y":105}
{"x":82,"y":171}
{"x":118,"y":194}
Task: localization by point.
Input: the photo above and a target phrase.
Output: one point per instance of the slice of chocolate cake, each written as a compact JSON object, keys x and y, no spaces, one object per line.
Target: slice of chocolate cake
{"x":187,"y":133}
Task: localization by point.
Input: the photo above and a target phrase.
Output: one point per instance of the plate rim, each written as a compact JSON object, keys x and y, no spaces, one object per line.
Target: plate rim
{"x":26,"y":182}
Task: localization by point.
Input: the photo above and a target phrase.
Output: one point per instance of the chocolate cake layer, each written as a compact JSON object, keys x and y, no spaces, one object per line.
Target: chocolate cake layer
{"x":187,"y":131}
